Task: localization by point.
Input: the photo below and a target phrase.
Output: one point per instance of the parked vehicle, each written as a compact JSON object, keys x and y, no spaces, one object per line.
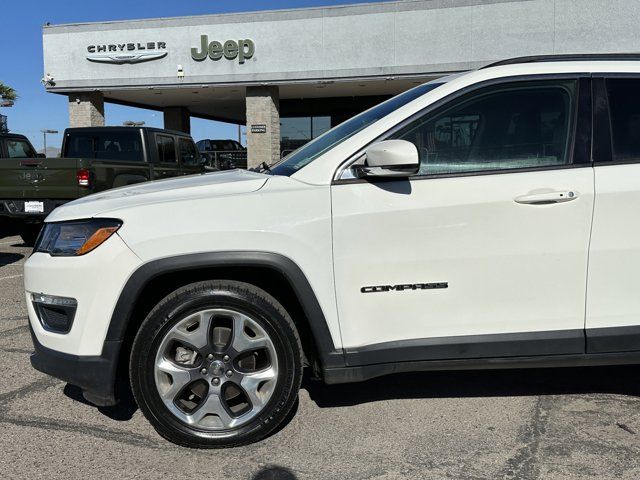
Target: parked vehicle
{"x":92,"y":160}
{"x":485,"y":220}
{"x":223,"y":154}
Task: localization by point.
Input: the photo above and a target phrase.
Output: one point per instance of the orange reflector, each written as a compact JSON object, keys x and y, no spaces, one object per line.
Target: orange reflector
{"x":96,"y":239}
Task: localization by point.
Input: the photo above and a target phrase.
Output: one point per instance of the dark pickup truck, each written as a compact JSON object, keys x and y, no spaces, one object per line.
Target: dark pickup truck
{"x":92,"y":159}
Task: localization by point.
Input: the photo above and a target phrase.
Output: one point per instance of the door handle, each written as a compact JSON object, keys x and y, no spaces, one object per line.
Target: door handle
{"x":547,"y":198}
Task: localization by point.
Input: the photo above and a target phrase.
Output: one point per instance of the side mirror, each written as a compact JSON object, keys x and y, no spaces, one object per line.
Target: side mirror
{"x":390,"y":158}
{"x":40,"y":155}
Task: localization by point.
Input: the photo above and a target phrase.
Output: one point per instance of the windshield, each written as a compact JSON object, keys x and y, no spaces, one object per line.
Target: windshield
{"x":309,"y":152}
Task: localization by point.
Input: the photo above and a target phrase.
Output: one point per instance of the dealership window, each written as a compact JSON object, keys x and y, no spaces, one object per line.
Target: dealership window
{"x":624,"y":104}
{"x":296,"y":131}
{"x":166,"y":149}
{"x":112,"y":145}
{"x":506,"y":127}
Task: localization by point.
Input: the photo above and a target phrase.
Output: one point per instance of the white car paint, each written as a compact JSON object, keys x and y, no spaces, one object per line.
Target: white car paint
{"x":512,"y":267}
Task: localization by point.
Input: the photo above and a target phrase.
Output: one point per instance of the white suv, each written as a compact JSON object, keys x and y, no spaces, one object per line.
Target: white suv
{"x":485,"y":220}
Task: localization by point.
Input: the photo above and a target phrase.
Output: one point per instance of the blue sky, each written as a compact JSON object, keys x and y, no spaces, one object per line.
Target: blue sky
{"x":21,"y":56}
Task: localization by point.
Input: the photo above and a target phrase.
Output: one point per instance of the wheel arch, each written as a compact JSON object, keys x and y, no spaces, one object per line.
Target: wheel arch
{"x":276,"y":274}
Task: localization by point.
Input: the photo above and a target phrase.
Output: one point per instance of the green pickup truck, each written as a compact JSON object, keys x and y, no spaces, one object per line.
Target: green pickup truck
{"x":92,"y":159}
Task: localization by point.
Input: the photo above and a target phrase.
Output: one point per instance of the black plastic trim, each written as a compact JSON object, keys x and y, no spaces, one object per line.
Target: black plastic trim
{"x":470,"y":346}
{"x":366,"y":372}
{"x":613,"y":339}
{"x":95,"y":375}
{"x":329,"y":356}
{"x":567,"y":57}
{"x":602,"y":148}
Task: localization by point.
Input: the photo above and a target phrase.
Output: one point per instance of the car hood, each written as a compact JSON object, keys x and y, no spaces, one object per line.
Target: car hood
{"x":232,"y":182}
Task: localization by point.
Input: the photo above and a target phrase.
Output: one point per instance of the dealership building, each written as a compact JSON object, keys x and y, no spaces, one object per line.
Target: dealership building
{"x":289,"y":75}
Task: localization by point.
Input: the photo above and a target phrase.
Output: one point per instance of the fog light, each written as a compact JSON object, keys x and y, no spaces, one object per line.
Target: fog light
{"x":55,"y":314}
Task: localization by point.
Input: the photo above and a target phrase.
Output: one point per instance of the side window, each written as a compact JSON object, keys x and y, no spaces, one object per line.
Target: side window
{"x":512,"y":126}
{"x":18,"y":148}
{"x":188,"y":153}
{"x":624,"y":107}
{"x":166,"y":149}
{"x":113,"y":145}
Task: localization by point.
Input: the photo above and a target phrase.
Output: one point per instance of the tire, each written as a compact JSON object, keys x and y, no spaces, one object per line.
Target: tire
{"x":29,"y":233}
{"x":245,"y":342}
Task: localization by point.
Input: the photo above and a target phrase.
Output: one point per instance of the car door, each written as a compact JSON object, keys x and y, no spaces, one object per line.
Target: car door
{"x":190,"y":160}
{"x":613,"y":301}
{"x":166,"y":165}
{"x":484,"y":252}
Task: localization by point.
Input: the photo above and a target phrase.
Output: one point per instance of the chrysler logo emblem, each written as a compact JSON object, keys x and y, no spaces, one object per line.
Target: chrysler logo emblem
{"x":120,"y":53}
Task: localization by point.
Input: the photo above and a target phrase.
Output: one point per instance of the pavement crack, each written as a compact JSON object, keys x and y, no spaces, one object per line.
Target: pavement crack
{"x":127,"y":438}
{"x":28,"y":389}
{"x":10,"y":319}
{"x":523,"y":464}
{"x":16,"y":350}
{"x":14,"y":331}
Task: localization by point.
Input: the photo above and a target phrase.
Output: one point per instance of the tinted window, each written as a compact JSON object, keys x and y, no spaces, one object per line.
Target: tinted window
{"x":166,"y":149}
{"x":188,"y":153}
{"x":624,"y":105}
{"x":513,"y":126}
{"x":17,"y":148}
{"x":309,"y":152}
{"x":224,"y":145}
{"x":109,"y":145}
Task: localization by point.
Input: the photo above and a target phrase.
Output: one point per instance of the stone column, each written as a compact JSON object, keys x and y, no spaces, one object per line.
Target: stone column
{"x":263,"y":125}
{"x":177,"y":118}
{"x":86,"y":109}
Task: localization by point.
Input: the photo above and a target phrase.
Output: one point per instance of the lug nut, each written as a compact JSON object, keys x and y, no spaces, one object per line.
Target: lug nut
{"x":203,"y":371}
{"x":229,"y":373}
{"x":216,"y":381}
{"x":210,"y":356}
{"x":225,"y":358}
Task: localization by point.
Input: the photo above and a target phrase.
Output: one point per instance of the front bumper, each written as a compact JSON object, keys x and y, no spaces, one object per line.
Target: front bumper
{"x":95,"y":375}
{"x":13,"y":208}
{"x":83,"y":356}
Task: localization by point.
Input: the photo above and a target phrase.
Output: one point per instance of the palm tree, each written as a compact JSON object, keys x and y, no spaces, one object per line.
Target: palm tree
{"x":7,"y":92}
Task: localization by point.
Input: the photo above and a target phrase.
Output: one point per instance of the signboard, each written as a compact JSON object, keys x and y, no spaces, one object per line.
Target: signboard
{"x":120,"y":53}
{"x":259,"y":128}
{"x":230,"y":49}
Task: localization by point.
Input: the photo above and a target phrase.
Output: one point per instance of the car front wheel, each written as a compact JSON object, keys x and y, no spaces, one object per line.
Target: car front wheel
{"x":216,"y":364}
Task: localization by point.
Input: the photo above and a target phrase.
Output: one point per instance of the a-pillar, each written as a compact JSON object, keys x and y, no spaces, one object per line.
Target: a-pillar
{"x":263,"y":125}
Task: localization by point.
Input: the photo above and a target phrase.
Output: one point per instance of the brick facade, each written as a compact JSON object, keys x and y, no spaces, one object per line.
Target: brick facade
{"x":263,"y":108}
{"x":86,"y":109}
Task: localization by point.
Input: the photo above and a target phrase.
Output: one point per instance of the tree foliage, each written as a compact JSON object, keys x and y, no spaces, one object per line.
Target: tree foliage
{"x":7,"y":92}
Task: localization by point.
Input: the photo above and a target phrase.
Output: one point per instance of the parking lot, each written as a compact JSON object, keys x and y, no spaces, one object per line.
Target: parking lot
{"x":574,"y":423}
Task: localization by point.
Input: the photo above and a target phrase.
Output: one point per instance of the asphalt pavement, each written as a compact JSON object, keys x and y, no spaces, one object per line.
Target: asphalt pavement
{"x":515,"y":424}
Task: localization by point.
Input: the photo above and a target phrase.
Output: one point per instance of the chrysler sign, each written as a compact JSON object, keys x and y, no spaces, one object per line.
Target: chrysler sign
{"x":120,"y":53}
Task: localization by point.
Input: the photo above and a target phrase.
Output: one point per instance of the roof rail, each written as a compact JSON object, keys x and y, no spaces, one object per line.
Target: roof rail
{"x":571,"y":57}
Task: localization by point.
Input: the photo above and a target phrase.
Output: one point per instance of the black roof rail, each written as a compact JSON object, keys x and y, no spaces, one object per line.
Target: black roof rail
{"x":571,"y":57}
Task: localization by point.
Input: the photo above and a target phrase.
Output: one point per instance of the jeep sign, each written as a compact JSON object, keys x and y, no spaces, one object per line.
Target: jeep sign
{"x":231,"y":49}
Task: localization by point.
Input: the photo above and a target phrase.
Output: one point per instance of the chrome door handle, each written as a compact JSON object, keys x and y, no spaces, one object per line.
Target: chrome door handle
{"x":547,"y":198}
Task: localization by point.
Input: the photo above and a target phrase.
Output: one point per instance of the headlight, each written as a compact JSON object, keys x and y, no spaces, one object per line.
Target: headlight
{"x":70,"y":239}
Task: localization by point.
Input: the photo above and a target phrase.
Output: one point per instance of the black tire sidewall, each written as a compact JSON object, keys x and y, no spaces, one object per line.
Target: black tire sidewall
{"x":261,"y":308}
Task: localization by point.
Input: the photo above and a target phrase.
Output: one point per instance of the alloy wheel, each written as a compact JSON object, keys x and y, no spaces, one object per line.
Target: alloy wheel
{"x":216,"y":369}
